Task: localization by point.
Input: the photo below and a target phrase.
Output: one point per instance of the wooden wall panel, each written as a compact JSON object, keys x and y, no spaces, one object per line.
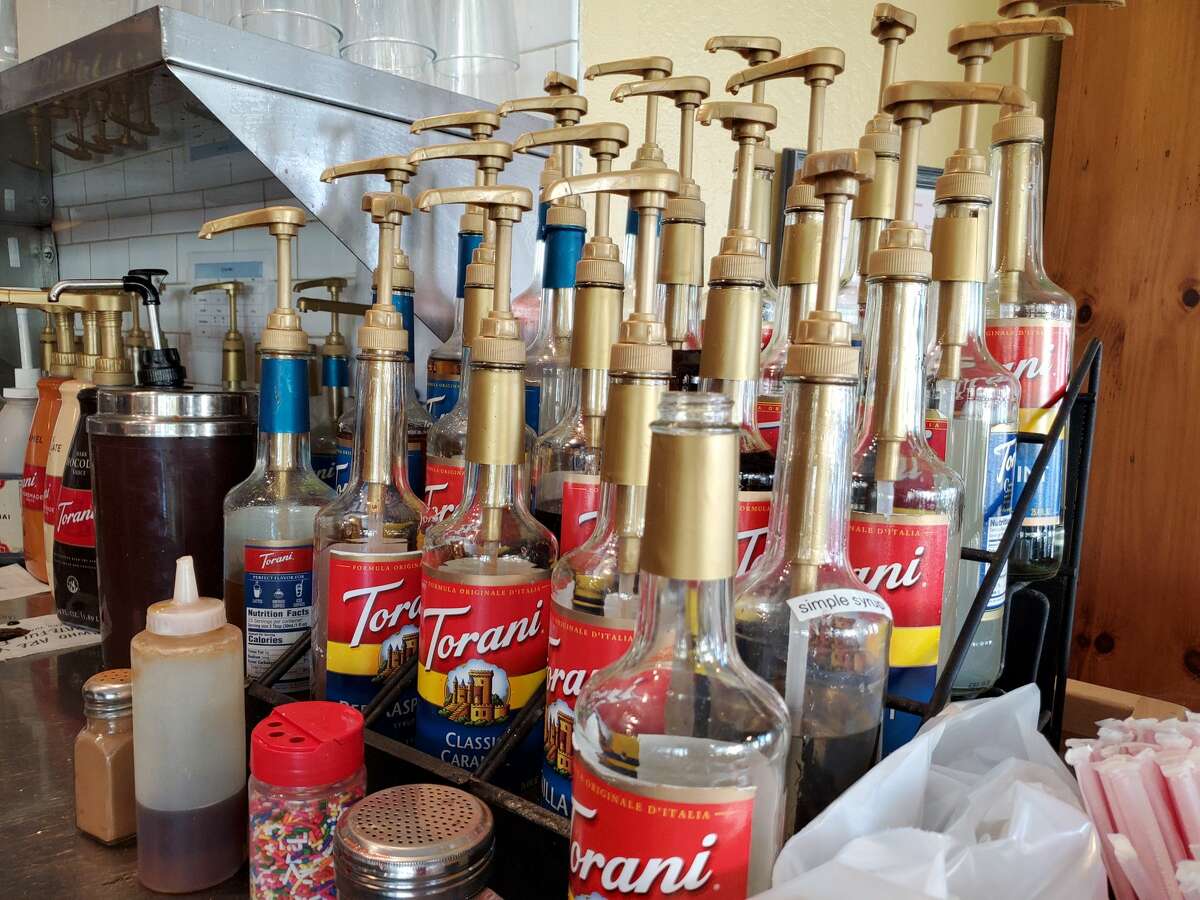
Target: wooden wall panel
{"x":1123,"y":237}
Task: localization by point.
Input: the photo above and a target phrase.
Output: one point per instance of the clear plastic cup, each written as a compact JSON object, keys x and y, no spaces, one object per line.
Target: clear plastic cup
{"x":8,"y":34}
{"x":311,"y":24}
{"x":224,"y":11}
{"x":391,"y":35}
{"x":477,"y":48}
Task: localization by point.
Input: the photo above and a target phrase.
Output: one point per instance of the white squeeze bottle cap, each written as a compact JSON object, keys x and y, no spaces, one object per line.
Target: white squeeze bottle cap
{"x":187,"y":612}
{"x":26,"y":377}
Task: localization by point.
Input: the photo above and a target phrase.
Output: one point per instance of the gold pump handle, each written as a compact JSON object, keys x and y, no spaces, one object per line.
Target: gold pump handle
{"x":736,"y":115}
{"x":982,"y":39}
{"x":907,"y":100}
{"x":29,"y":298}
{"x":646,"y":187}
{"x":226,"y":286}
{"x":1012,"y":9}
{"x":756,"y":50}
{"x":891,"y":26}
{"x":336,"y":307}
{"x":600,"y":138}
{"x":503,"y":201}
{"x":682,"y":90}
{"x":487,"y":155}
{"x":564,"y":108}
{"x":387,"y":206}
{"x":482,"y":123}
{"x":334,"y":284}
{"x":818,"y":67}
{"x":647,"y":68}
{"x":396,"y":169}
{"x":283,"y":333}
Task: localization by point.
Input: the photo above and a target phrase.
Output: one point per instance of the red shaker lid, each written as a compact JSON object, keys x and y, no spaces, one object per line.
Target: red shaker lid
{"x":307,"y":744}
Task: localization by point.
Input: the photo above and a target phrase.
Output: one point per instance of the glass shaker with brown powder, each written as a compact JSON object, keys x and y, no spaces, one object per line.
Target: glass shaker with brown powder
{"x":104,"y":798}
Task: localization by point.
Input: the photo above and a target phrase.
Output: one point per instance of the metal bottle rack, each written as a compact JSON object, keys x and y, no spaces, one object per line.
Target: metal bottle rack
{"x":529,"y":837}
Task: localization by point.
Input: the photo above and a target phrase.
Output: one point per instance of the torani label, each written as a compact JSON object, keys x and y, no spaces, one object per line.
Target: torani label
{"x":440,"y":396}
{"x":902,"y":557}
{"x":482,"y":656}
{"x":580,"y":509}
{"x":768,"y":414}
{"x":1038,"y":353}
{"x":374,"y":615}
{"x":754,"y":514}
{"x":660,"y":842}
{"x":33,"y":487}
{"x":996,"y":501}
{"x":580,"y":645}
{"x":11,"y":537}
{"x":326,"y":467}
{"x":76,"y":587}
{"x":937,"y":430}
{"x":344,"y":463}
{"x":443,"y":488}
{"x":278,"y":593}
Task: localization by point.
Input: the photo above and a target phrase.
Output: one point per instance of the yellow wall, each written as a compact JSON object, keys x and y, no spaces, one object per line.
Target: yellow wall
{"x":614,"y":29}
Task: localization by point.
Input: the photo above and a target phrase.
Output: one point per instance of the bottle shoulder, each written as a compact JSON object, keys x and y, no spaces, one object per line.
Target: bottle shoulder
{"x":511,"y":532}
{"x":283,"y":488}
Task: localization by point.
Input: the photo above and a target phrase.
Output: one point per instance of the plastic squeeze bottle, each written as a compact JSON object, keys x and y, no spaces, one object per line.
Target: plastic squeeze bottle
{"x":189,"y":725}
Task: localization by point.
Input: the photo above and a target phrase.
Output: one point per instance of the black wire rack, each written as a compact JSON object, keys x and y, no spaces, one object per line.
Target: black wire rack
{"x":532,"y":843}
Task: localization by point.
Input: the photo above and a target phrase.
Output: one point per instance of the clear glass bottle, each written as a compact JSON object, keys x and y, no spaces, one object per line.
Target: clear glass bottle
{"x":368,"y":556}
{"x":445,"y":368}
{"x":527,"y":305}
{"x":416,"y":417}
{"x":979,"y":442}
{"x":680,"y":718}
{"x":548,"y":372}
{"x":906,"y":504}
{"x":1031,"y":332}
{"x":485,"y":588}
{"x":269,"y":525}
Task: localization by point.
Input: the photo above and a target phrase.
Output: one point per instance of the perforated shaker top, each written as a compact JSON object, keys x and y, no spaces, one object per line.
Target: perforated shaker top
{"x":416,"y":837}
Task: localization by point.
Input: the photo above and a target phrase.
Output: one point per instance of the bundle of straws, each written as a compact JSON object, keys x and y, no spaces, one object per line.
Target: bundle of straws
{"x":1140,"y":780}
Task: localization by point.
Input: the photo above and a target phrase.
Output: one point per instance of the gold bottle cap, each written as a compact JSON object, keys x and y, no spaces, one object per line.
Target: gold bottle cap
{"x":965,"y":177}
{"x":481,"y":123}
{"x":1021,"y":126}
{"x":283,"y":333}
{"x":383,"y":325}
{"x":481,"y":270}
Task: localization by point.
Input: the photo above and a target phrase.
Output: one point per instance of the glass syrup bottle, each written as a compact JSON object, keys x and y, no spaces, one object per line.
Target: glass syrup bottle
{"x":906,"y":504}
{"x":733,"y":319}
{"x":367,"y":544}
{"x":269,"y":517}
{"x":1030,"y":331}
{"x":679,"y":724}
{"x":335,"y":377}
{"x":595,"y":584}
{"x":804,"y":620}
{"x":486,"y":569}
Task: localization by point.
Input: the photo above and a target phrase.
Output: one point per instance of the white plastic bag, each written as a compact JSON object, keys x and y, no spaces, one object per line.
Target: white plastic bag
{"x":978,"y":805}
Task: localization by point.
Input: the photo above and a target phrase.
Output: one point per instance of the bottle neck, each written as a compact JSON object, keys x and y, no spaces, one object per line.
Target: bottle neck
{"x":1017,"y":244}
{"x":895,"y":376}
{"x":380,"y":430}
{"x":104,"y":725}
{"x":688,"y":622}
{"x":283,"y":413}
{"x":494,"y":487}
{"x":743,"y":393}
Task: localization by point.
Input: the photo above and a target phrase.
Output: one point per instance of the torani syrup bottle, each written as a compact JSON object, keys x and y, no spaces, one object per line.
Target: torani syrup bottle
{"x":678,"y":775}
{"x":596,"y":584}
{"x":368,"y":558}
{"x":269,"y":517}
{"x":486,"y":569}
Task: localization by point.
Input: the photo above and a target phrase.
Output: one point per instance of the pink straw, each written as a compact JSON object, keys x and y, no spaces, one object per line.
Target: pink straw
{"x":1079,"y":758}
{"x":1135,"y":819}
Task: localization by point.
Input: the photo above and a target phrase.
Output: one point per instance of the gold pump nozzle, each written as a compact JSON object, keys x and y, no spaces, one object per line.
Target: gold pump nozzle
{"x":335,"y":342}
{"x":823,"y":359}
{"x":382,"y":330}
{"x":233,"y":345}
{"x":647,"y":68}
{"x":496,"y":405}
{"x":283,"y":333}
{"x":681,"y":251}
{"x":903,"y":261}
{"x":755,"y":50}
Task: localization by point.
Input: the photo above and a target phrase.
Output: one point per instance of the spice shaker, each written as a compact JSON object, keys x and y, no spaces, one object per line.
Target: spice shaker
{"x":306,"y":771}
{"x":104,"y":802}
{"x":189,"y":725}
{"x":415,"y":840}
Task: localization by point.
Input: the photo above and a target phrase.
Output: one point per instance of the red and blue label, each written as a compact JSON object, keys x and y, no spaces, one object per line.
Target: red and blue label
{"x":580,"y":510}
{"x":1038,"y":353}
{"x":581,"y":644}
{"x":441,"y":394}
{"x":997,"y":501}
{"x":753,"y":519}
{"x":658,"y":842}
{"x":482,"y":656}
{"x":768,"y":412}
{"x":278,"y":586}
{"x":902,"y":558}
{"x":374,"y":613}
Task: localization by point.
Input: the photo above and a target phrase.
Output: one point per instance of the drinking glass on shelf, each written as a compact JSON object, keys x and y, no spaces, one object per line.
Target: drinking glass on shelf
{"x":394,"y":36}
{"x":311,"y":24}
{"x":477,"y":48}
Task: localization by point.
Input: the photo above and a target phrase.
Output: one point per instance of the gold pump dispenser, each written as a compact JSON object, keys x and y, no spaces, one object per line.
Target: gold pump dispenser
{"x":733,"y":325}
{"x":800,"y":253}
{"x":837,"y":701}
{"x":875,"y":204}
{"x":646,"y":68}
{"x":681,"y":257}
{"x":567,"y":457}
{"x":370,"y":535}
{"x":639,"y":367}
{"x":233,"y":344}
{"x":111,"y":365}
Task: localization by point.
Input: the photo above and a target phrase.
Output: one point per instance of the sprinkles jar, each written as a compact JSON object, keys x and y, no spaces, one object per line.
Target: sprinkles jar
{"x":306,"y":770}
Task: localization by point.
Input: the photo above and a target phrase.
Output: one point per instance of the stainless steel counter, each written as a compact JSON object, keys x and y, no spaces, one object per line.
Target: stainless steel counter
{"x":40,"y":713}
